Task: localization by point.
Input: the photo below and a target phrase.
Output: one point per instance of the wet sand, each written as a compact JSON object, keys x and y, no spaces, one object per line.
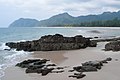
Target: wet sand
{"x":71,"y":58}
{"x":55,"y":56}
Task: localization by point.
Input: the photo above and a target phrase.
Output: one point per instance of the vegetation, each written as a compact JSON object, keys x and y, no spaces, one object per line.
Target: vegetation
{"x":106,"y":23}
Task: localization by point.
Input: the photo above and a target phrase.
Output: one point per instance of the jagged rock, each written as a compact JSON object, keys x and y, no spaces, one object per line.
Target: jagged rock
{"x":78,"y":75}
{"x":33,"y":67}
{"x":28,"y":70}
{"x":71,"y":70}
{"x":43,"y":71}
{"x":96,"y":64}
{"x":36,"y":66}
{"x":31,"y":62}
{"x":40,"y":62}
{"x":54,"y":42}
{"x":85,"y":68}
{"x":104,"y":61}
{"x":41,"y":67}
{"x":58,"y":71}
{"x":46,"y":71}
{"x":51,"y":65}
{"x":108,"y":59}
{"x":114,"y":46}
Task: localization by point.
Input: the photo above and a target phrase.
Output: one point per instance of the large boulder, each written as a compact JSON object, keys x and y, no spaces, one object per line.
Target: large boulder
{"x":114,"y":46}
{"x":85,"y":68}
{"x":53,"y":42}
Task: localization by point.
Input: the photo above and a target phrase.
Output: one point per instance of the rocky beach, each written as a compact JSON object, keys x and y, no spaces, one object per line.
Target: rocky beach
{"x":70,"y":59}
{"x":91,"y":60}
{"x":60,"y":40}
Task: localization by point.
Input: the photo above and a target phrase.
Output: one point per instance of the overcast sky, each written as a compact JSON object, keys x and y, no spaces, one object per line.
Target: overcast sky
{"x":11,"y":10}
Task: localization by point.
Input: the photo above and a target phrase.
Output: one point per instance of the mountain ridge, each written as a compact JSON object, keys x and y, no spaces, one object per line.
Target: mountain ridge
{"x":64,"y":19}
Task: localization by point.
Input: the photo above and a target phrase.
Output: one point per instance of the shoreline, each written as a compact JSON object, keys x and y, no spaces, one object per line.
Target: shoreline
{"x":71,"y":58}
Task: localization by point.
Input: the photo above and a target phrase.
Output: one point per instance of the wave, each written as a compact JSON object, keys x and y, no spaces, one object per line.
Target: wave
{"x":10,"y":58}
{"x":16,"y":54}
{"x":3,"y":46}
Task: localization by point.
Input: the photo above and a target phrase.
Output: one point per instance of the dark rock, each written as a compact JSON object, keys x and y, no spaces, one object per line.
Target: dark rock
{"x":58,"y":71}
{"x":93,"y":63}
{"x":46,"y":71}
{"x":39,"y":62}
{"x":78,"y":75}
{"x":114,"y":46}
{"x":104,"y":61}
{"x":51,"y":65}
{"x":93,"y":44}
{"x":85,"y":68}
{"x":28,"y":70}
{"x":60,"y":68}
{"x":53,"y":42}
{"x":89,"y":66}
{"x":89,"y":37}
{"x":29,"y":62}
{"x":109,"y":59}
{"x":71,"y":70}
{"x":7,"y":49}
{"x":96,"y":37}
{"x":33,"y":67}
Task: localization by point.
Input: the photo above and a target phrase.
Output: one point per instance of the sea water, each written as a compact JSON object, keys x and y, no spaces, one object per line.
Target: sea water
{"x":8,"y":58}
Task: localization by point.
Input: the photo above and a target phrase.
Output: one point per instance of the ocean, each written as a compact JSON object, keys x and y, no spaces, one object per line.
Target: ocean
{"x":9,"y":58}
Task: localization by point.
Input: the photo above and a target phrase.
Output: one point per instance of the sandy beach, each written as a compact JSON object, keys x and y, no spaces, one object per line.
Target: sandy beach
{"x":71,"y":58}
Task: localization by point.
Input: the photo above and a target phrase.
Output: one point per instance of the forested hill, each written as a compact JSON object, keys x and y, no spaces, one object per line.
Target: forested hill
{"x":105,"y":19}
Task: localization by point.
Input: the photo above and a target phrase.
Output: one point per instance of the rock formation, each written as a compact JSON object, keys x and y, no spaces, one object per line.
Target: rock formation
{"x":40,"y":66}
{"x":90,"y":66}
{"x":114,"y":46}
{"x":53,"y":42}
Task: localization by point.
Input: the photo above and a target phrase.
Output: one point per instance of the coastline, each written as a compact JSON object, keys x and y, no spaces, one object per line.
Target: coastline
{"x":71,"y":58}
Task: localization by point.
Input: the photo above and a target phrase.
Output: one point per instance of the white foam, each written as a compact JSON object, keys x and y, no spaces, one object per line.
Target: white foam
{"x":3,"y":46}
{"x":21,"y":41}
{"x":2,"y":68}
{"x":12,"y":60}
{"x":16,"y":54}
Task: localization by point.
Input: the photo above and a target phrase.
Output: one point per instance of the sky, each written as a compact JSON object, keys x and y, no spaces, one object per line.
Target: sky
{"x":11,"y":10}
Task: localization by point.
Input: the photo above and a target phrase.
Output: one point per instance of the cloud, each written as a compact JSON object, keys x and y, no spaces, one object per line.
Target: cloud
{"x":62,"y":5}
{"x":41,"y":9}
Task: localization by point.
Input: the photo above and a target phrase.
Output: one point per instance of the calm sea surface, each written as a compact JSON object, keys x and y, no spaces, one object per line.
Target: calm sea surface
{"x":7,"y":58}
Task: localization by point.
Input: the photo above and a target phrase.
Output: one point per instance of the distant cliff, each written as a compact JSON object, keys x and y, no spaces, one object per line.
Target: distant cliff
{"x":24,"y":22}
{"x":65,"y":19}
